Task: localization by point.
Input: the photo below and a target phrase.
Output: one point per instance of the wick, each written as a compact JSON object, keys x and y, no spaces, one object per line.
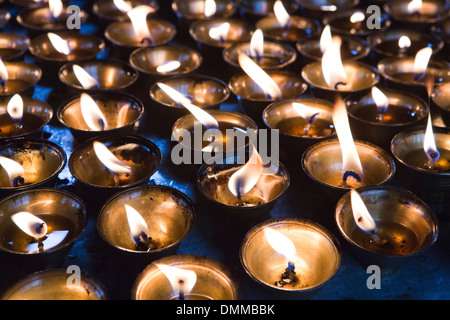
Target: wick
{"x":419,"y":76}
{"x":377,"y":240}
{"x":181,"y":293}
{"x":353,"y":176}
{"x":40,"y":227}
{"x":310,"y":122}
{"x":418,"y":14}
{"x":143,"y":242}
{"x":340,"y":83}
{"x":239,"y":196}
{"x":18,"y":181}
{"x":2,"y":84}
{"x":288,"y":276}
{"x":147,"y":41}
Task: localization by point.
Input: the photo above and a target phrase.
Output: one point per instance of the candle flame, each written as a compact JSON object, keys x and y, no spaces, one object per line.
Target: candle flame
{"x":181,"y":280}
{"x":281,"y":244}
{"x":122,"y":6}
{"x":30,"y":224}
{"x":220,"y":32}
{"x":351,"y":162}
{"x":210,"y":8}
{"x":60,"y":45}
{"x":92,"y":115}
{"x":244,"y":179}
{"x":261,"y":78}
{"x":109,"y":160}
{"x":257,"y":44}
{"x":325,"y":39}
{"x":281,"y":14}
{"x":328,"y":7}
{"x":404,"y":42}
{"x":13,"y":169}
{"x":56,"y":8}
{"x":414,"y":6}
{"x":357,"y":16}
{"x":86,"y":80}
{"x":362,"y":217}
{"x":138,"y":16}
{"x":3,"y":71}
{"x":421,"y":60}
{"x":381,"y":100}
{"x":305,"y":111}
{"x":201,"y":115}
{"x":168,"y":66}
{"x":429,"y":143}
{"x":332,"y":68}
{"x":137,"y":224}
{"x":15,"y":107}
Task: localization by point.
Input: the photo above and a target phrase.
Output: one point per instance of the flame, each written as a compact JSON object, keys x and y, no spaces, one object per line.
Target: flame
{"x":332,"y":67}
{"x":305,"y":111}
{"x":350,"y":158}
{"x":421,"y":60}
{"x":15,"y":107}
{"x":357,"y":16}
{"x":262,"y":79}
{"x":138,"y":16}
{"x":404,"y":42}
{"x":181,"y":280}
{"x":122,"y":6}
{"x":281,"y":14}
{"x":137,"y":224}
{"x":3,"y":71}
{"x":414,"y":6}
{"x":168,"y":66}
{"x":257,"y":44}
{"x":362,"y":217}
{"x":13,"y":169}
{"x":30,"y":224}
{"x":243,"y":180}
{"x":281,"y":244}
{"x":429,"y":144}
{"x":60,"y":45}
{"x":201,"y":115}
{"x":380,"y":99}
{"x":325,"y":39}
{"x":220,"y":33}
{"x":92,"y":115}
{"x":328,"y":7}
{"x":210,"y":8}
{"x":86,"y":80}
{"x":56,"y":8}
{"x":109,"y":159}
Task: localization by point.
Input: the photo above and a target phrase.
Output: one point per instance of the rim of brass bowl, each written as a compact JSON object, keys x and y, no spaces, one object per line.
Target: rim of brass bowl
{"x":385,"y":154}
{"x":57,"y":149}
{"x":66,"y":70}
{"x":66,"y":194}
{"x":173,"y":192}
{"x":275,"y":104}
{"x":47,"y":110}
{"x":388,"y":189}
{"x":137,"y":105}
{"x":313,"y":225}
{"x":391,"y":6}
{"x":90,"y":283}
{"x":96,"y":42}
{"x":97,"y":6}
{"x":196,"y":59}
{"x":153,"y":148}
{"x":21,"y":41}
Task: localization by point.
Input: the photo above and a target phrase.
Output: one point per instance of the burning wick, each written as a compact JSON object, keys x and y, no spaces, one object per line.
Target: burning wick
{"x":4,"y":76}
{"x":421,"y":62}
{"x":139,"y":230}
{"x":181,"y":292}
{"x":363,"y":218}
{"x":33,"y":226}
{"x":282,"y":244}
{"x":282,"y":15}
{"x":429,"y":145}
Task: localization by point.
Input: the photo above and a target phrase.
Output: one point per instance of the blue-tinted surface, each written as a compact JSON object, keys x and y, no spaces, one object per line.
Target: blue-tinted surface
{"x":425,"y":277}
